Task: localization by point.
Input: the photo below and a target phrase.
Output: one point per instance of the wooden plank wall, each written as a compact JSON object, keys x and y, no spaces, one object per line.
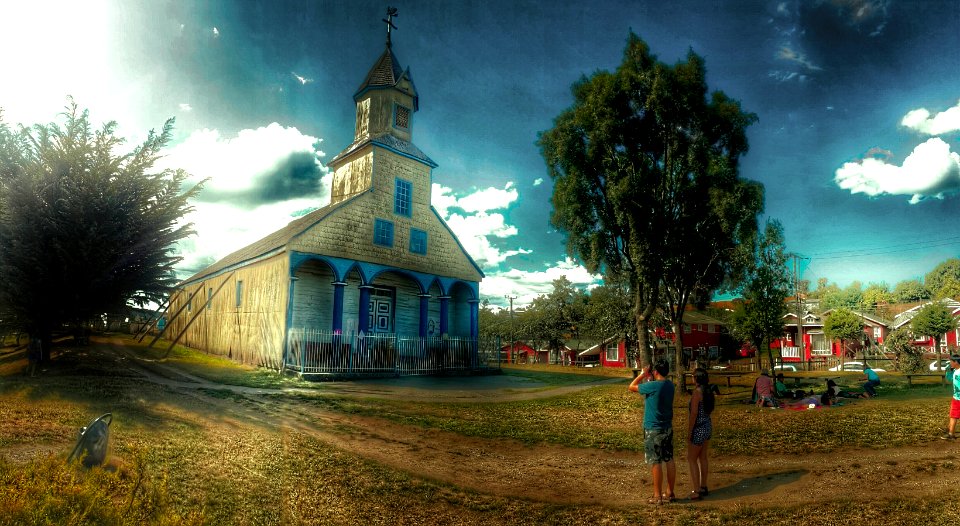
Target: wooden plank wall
{"x":251,"y":333}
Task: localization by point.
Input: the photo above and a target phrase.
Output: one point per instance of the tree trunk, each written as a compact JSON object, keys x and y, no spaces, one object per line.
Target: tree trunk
{"x":936,"y":341}
{"x":770,"y":355}
{"x":678,"y":351}
{"x":643,"y":313}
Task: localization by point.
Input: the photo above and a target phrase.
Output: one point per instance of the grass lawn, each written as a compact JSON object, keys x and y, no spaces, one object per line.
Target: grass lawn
{"x":180,"y":459}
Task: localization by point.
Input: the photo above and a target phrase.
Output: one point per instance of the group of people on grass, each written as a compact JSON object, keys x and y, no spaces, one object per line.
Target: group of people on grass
{"x":768,"y":392}
{"x":658,"y":391}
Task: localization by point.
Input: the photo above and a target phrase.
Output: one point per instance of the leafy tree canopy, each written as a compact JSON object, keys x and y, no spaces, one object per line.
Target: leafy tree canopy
{"x":759,"y":317}
{"x":933,"y":320}
{"x":910,"y":290}
{"x":843,"y":324}
{"x":84,"y":227}
{"x":646,"y":186}
{"x":876,"y":295}
{"x":909,"y":357}
{"x":944,"y":275}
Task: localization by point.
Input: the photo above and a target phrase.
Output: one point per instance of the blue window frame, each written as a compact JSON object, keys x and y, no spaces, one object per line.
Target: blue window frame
{"x":418,"y":241}
{"x":383,"y":233}
{"x":403,"y":198}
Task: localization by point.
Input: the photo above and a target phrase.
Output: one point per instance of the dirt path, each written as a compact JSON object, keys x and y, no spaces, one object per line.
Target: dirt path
{"x":552,"y":473}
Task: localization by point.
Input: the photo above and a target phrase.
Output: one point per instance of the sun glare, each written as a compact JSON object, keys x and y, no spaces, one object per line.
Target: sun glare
{"x":54,"y":49}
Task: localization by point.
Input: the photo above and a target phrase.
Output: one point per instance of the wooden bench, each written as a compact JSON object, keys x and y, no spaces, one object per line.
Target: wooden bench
{"x":910,"y":376}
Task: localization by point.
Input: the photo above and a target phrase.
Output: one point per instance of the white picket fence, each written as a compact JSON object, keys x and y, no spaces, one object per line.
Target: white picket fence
{"x":312,"y":352}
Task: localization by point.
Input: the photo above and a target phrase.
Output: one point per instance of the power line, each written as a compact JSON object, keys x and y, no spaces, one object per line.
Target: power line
{"x":879,"y":251}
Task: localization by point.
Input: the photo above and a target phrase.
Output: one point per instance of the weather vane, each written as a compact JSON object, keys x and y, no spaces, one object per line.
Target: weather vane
{"x":391,"y":12}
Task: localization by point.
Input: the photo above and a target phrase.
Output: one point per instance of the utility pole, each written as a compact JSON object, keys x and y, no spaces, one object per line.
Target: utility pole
{"x":796,"y":291}
{"x":513,"y":343}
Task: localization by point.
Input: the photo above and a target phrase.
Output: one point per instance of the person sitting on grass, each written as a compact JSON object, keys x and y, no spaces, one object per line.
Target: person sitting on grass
{"x":783,"y":393}
{"x":765,"y":391}
{"x":873,"y":380}
{"x":837,"y":392}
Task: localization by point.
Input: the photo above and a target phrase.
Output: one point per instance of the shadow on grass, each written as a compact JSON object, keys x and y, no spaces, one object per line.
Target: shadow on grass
{"x":757,"y":485}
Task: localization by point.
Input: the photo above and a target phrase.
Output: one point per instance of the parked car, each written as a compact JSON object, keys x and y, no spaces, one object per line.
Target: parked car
{"x":942,"y":366}
{"x":785,"y":368}
{"x":856,"y":367}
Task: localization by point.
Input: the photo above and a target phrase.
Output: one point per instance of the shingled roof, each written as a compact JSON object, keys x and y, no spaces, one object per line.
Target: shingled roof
{"x":273,"y":243}
{"x":386,"y":73}
{"x":390,"y":142}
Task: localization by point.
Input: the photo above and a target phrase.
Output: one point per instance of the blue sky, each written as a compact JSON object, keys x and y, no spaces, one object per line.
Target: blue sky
{"x":858,"y":103}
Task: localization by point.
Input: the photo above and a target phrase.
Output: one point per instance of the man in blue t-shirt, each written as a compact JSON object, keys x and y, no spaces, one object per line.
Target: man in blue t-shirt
{"x":873,"y":380}
{"x":954,"y":371}
{"x":657,"y":426}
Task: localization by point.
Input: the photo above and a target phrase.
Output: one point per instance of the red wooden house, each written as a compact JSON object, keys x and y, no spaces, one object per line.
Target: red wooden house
{"x":519,"y":352}
{"x":950,"y":340}
{"x":815,"y":343}
{"x":701,"y":336}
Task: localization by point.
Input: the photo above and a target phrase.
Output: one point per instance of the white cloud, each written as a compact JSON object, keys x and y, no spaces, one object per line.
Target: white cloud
{"x":222,"y":228}
{"x":528,"y":285}
{"x":234,"y":165}
{"x":216,"y":32}
{"x":944,"y":122}
{"x":479,"y":222}
{"x":489,"y":199}
{"x":56,"y":49}
{"x":931,"y":170}
{"x":185,"y":107}
{"x":538,"y":181}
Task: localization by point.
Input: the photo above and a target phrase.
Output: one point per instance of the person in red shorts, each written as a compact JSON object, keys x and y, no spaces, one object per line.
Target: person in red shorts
{"x":954,"y":370}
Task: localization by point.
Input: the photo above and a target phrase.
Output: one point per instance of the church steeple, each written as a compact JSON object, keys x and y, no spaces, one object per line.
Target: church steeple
{"x":386,"y":101}
{"x":387,"y":98}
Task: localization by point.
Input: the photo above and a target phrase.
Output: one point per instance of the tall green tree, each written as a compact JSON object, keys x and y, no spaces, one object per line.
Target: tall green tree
{"x":850,"y":297}
{"x":493,"y":324}
{"x":945,"y":274}
{"x":933,"y":320}
{"x":558,"y":314}
{"x":760,"y":316}
{"x":844,"y":325}
{"x":909,"y":356}
{"x":876,"y":295}
{"x":642,"y":155}
{"x":84,"y":227}
{"x":910,"y":290}
{"x":609,"y":313}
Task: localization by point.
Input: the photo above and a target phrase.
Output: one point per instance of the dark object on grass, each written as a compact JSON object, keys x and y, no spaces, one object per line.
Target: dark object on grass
{"x":91,"y":446}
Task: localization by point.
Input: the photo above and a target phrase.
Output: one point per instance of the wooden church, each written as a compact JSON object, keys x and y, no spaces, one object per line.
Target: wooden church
{"x":374,"y":282}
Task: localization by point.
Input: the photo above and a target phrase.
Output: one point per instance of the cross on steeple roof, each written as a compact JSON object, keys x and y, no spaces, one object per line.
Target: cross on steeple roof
{"x":391,"y":12}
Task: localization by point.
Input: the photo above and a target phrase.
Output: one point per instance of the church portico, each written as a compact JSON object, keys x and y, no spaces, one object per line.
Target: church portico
{"x":334,"y":294}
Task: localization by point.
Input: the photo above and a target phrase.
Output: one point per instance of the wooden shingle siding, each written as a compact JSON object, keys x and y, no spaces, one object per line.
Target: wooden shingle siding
{"x":313,"y":296}
{"x":251,"y":333}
